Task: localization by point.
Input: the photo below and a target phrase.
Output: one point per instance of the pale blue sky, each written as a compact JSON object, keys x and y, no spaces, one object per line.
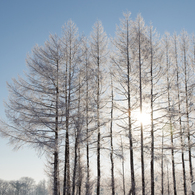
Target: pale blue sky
{"x":24,"y":23}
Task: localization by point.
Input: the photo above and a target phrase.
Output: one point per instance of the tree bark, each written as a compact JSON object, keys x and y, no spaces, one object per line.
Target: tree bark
{"x":141,"y":123}
{"x":111,"y":139}
{"x":180,"y":122}
{"x":56,"y":151}
{"x":170,"y":118}
{"x":129,"y":112}
{"x":187,"y":112}
{"x":162,"y":164}
{"x":152,"y":122}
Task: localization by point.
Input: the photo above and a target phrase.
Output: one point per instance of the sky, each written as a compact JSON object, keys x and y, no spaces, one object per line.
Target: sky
{"x":25,"y":23}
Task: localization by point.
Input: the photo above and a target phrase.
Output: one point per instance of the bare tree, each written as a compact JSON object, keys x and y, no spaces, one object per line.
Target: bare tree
{"x":70,"y":47}
{"x":78,"y":125}
{"x":184,"y":47}
{"x":35,"y":109}
{"x":169,"y":78}
{"x":88,"y":86}
{"x":111,"y":138}
{"x":178,"y":84}
{"x":122,"y":61}
{"x":155,"y":93}
{"x":140,"y":43}
{"x":98,"y":54}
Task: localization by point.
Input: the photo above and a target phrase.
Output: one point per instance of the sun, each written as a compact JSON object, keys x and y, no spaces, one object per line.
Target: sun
{"x":144,"y":118}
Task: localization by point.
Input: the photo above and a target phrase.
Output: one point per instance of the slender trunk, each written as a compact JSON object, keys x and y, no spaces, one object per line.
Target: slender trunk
{"x":173,"y":163}
{"x":77,"y":137}
{"x":98,"y":118}
{"x":66,"y":113}
{"x":80,"y":170}
{"x":87,"y":128}
{"x":111,"y":140}
{"x":56,"y":152}
{"x":187,"y":116}
{"x":170,"y":123}
{"x":67,"y":186}
{"x":168,"y":185}
{"x":98,"y":155}
{"x":77,"y":134}
{"x":180,"y":123}
{"x":123,"y":167}
{"x":151,"y":108}
{"x":98,"y":142}
{"x":129,"y":117}
{"x":88,"y":176}
{"x":67,"y":166}
{"x":75,"y":163}
{"x":183,"y":159}
{"x":162,"y":164}
{"x":141,"y":124}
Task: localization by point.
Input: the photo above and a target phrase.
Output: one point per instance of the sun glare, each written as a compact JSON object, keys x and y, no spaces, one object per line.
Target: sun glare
{"x":143,"y":118}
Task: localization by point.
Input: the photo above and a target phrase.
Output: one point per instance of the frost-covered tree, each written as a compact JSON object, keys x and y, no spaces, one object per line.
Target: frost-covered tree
{"x":188,"y":91}
{"x":88,"y":102}
{"x":122,"y":61}
{"x":155,"y":73}
{"x":70,"y":48}
{"x":176,"y":63}
{"x":98,"y":48}
{"x":35,"y":110}
{"x":41,"y":188}
{"x":169,"y":77}
{"x":140,"y":55}
{"x":4,"y":187}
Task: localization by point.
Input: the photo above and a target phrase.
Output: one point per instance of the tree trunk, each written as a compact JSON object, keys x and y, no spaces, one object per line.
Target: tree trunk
{"x":141,"y":123}
{"x":180,"y":122}
{"x":66,"y":140}
{"x":151,"y":108}
{"x":87,"y":126}
{"x":170,"y":118}
{"x":129,"y":115}
{"x":56,"y":152}
{"x":168,"y":184}
{"x":80,"y":171}
{"x":67,"y":189}
{"x":162,"y":164}
{"x":187,"y":116}
{"x":111,"y":140}
{"x":123,"y":167}
{"x":75,"y":163}
{"x":98,"y":129}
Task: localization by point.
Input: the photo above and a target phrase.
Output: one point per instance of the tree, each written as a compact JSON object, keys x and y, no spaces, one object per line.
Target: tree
{"x":35,"y":109}
{"x":122,"y":62}
{"x":88,"y":90}
{"x":178,"y":84}
{"x":184,"y":47}
{"x":78,"y":123}
{"x":98,"y":48}
{"x":155,"y":93}
{"x":111,"y":138}
{"x":169,"y":78}
{"x":140,"y":43}
{"x":4,"y":185}
{"x":28,"y":186}
{"x":70,"y":47}
{"x":151,"y":107}
{"x":41,"y":188}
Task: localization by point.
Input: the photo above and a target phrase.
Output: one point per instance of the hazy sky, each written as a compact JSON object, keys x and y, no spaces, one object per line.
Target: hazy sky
{"x":24,"y":23}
